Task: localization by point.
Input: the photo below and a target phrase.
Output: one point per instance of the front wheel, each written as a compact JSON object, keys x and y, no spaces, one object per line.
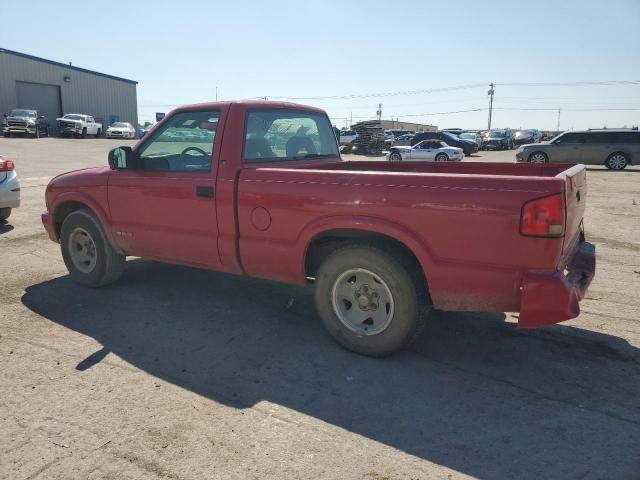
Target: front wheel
{"x":98,"y":133}
{"x":395,"y":157}
{"x":37,"y":132}
{"x":4,"y":214}
{"x":370,"y":300}
{"x":442,"y":157}
{"x":538,"y":157}
{"x":616,"y":161}
{"x":86,"y":251}
{"x":84,"y":133}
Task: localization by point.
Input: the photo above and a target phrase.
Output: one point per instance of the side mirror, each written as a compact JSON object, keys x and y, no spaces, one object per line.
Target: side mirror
{"x":40,"y":117}
{"x":122,"y":158}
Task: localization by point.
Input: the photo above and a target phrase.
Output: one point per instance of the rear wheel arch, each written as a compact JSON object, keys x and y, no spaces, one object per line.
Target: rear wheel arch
{"x":328,"y":241}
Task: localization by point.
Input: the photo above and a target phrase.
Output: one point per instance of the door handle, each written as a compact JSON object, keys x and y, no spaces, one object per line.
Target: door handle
{"x":204,"y":191}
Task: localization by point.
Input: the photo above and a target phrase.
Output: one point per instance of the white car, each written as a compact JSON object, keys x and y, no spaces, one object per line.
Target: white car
{"x":347,"y":137}
{"x":79,"y":124}
{"x":9,"y":188}
{"x":427,"y":150}
{"x":121,"y":130}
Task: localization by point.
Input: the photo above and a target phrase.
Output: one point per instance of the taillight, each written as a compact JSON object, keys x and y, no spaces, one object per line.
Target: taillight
{"x":6,"y":165}
{"x":543,"y":217}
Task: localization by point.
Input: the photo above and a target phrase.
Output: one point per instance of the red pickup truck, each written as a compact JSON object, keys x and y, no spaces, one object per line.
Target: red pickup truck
{"x":259,"y":189}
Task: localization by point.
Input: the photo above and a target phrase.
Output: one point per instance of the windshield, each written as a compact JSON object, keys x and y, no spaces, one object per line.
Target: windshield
{"x":468,"y":136}
{"x":120,"y":125}
{"x":73,"y":117}
{"x":23,"y":113}
{"x":496,"y":134}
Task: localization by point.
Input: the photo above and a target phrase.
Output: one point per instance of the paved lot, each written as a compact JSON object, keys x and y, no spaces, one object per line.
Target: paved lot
{"x":184,"y":374}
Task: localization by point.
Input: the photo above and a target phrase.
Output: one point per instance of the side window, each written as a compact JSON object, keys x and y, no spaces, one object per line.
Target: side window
{"x":599,"y":137}
{"x":90,"y":119}
{"x":571,"y":138}
{"x":183,"y":144}
{"x":274,"y":135}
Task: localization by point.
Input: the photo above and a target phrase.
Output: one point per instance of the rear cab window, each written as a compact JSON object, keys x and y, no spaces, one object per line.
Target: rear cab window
{"x":276,"y":135}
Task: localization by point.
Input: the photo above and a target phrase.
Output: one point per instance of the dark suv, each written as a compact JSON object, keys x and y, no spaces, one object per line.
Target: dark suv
{"x":25,"y":121}
{"x":467,"y":146}
{"x":615,"y":148}
{"x":499,"y":139}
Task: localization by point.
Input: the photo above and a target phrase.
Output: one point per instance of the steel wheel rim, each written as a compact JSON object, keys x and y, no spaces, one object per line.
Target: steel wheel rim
{"x":82,"y":250}
{"x":617,"y":162}
{"x":441,"y":158}
{"x":362,"y":301}
{"x":537,"y":158}
{"x":395,"y":156}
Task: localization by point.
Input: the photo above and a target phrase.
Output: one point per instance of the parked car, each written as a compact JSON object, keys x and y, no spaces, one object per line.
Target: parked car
{"x":469,"y":147}
{"x":427,"y":150}
{"x":613,"y":148}
{"x":473,"y":137}
{"x":25,"y":122}
{"x":499,"y":139}
{"x":381,"y":241}
{"x":455,"y":131}
{"x":9,"y":188}
{"x":121,"y":130}
{"x":78,"y":124}
{"x":527,"y":136}
{"x":404,"y":140}
{"x":347,"y":137}
{"x":398,"y":133}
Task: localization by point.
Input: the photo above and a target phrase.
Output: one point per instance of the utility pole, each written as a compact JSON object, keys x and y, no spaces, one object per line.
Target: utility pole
{"x":379,"y":112}
{"x":490,"y":93}
{"x":558,"y":126}
{"x":350,"y":119}
{"x":216,"y":93}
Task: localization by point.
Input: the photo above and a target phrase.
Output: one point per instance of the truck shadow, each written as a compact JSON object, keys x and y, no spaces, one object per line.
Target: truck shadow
{"x":473,"y":394}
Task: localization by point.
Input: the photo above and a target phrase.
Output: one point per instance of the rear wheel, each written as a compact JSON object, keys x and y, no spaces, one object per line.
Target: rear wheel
{"x":84,"y":133}
{"x":538,"y":157}
{"x":370,"y":300}
{"x":442,"y":157}
{"x":395,"y":157}
{"x":4,"y":214}
{"x":616,"y":161}
{"x":98,"y":133}
{"x":87,"y":253}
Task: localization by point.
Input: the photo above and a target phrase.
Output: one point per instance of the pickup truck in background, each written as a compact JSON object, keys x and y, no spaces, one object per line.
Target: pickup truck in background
{"x":383,"y":242}
{"x":25,"y":122}
{"x":78,"y":125}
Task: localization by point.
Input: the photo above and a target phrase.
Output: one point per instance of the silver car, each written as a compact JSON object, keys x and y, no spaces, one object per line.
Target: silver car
{"x":427,"y":150}
{"x":614,"y":148}
{"x":9,"y":188}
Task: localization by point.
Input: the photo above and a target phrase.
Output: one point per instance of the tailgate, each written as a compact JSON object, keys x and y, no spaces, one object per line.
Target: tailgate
{"x":575,"y":196}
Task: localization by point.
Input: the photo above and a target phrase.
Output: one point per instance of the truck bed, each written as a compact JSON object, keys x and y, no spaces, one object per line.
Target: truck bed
{"x":463,"y":217}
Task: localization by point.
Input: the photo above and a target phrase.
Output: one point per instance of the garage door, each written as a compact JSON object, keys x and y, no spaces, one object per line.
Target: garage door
{"x":44,"y":98}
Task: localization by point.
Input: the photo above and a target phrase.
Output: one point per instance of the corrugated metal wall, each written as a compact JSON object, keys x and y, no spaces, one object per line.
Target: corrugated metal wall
{"x":86,"y":93}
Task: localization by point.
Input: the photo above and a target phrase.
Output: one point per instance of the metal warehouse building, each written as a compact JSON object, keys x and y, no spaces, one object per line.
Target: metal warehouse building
{"x":55,"y":88}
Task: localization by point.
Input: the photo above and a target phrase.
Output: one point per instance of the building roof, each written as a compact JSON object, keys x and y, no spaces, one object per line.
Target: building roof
{"x":65,"y":65}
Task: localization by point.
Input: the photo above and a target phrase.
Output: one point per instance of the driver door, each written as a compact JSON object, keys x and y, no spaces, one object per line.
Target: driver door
{"x":424,"y":152}
{"x":164,"y":208}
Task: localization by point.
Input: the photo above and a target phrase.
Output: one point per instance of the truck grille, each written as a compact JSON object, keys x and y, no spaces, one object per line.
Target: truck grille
{"x":67,"y":124}
{"x":17,"y":123}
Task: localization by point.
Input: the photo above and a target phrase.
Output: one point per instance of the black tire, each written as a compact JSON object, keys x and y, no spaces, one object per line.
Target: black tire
{"x":534,"y":156}
{"x":37,"y":132}
{"x":98,"y":133}
{"x":395,"y":156}
{"x":6,"y":134}
{"x":442,"y":157}
{"x":4,"y":213}
{"x":109,"y":263}
{"x":407,"y":291}
{"x":617,"y":161}
{"x":84,"y":132}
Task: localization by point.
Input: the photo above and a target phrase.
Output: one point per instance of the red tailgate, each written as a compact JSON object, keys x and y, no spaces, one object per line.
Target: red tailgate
{"x":575,"y":192}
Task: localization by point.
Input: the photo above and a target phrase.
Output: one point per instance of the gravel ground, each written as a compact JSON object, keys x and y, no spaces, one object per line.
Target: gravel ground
{"x":185,"y":374}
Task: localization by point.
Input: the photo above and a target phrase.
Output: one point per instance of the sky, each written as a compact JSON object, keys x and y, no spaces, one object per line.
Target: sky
{"x":409,"y":56}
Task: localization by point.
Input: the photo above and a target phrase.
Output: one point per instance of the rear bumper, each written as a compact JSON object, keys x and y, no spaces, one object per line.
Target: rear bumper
{"x":48,"y":226}
{"x":553,"y":298}
{"x":10,"y":192}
